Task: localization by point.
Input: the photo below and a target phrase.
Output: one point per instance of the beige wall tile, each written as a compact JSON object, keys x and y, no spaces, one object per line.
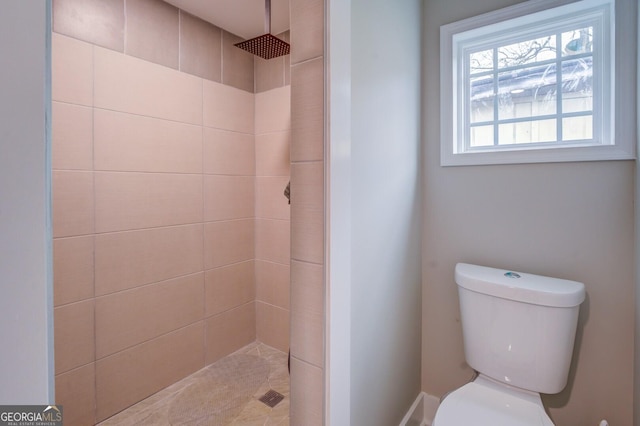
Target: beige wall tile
{"x":307,"y":30}
{"x":272,"y":283}
{"x":96,"y":21}
{"x":272,"y":326}
{"x":307,"y":119}
{"x":228,"y":197}
{"x":229,"y":331}
{"x":131,"y":317}
{"x":152,"y":31}
{"x":273,"y":110}
{"x":72,"y":203}
{"x":76,"y":392}
{"x":131,"y":375}
{"x":227,"y":242}
{"x":227,"y":108}
{"x":127,"y":84}
{"x":72,"y":269}
{"x":74,"y":335}
{"x":228,"y":153}
{"x":71,"y":70}
{"x":71,"y":137}
{"x":142,"y":200}
{"x":269,"y":73}
{"x":130,"y":259}
{"x":200,"y":47}
{"x":307,"y":211}
{"x":272,"y":240}
{"x":273,"y":153}
{"x":307,"y":392}
{"x":127,"y":142}
{"x":237,"y":64}
{"x":228,"y":287}
{"x":271,"y":202}
{"x":307,"y":313}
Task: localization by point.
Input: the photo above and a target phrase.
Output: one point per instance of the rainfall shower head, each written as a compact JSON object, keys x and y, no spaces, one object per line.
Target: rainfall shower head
{"x":267,"y":46}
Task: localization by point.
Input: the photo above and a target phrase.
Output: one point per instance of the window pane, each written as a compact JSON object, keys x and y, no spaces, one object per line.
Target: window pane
{"x":481,"y":99}
{"x":481,"y":136}
{"x":527,"y":92}
{"x":577,"y":41}
{"x":577,"y":85}
{"x":481,"y":61}
{"x":526,"y":52}
{"x":527,"y":132}
{"x":577,"y":128}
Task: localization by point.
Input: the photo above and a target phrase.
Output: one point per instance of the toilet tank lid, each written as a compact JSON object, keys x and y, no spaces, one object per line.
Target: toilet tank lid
{"x":519,"y":286}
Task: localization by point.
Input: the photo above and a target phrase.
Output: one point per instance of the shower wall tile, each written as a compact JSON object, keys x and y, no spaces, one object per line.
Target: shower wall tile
{"x":127,"y":84}
{"x":71,"y":140}
{"x":227,"y":108}
{"x":273,"y":112}
{"x":271,"y":202}
{"x":129,"y":376}
{"x":75,"y":338}
{"x":152,"y":31}
{"x":228,"y":242}
{"x":272,"y":326}
{"x":129,"y":259}
{"x":307,"y":124}
{"x":269,"y":73}
{"x":142,"y":200}
{"x":272,"y":283}
{"x":273,"y":153}
{"x":127,"y":318}
{"x":72,"y":203}
{"x":237,"y":64}
{"x":76,"y":391}
{"x":200,"y":48}
{"x":307,"y":314}
{"x":272,"y":240}
{"x":95,"y":21}
{"x":307,"y":390}
{"x":228,"y":197}
{"x":229,"y":331}
{"x":71,"y":70}
{"x":72,"y":269}
{"x":307,"y":30}
{"x":127,"y":142}
{"x":228,"y":153}
{"x":307,"y":211}
{"x":228,"y":287}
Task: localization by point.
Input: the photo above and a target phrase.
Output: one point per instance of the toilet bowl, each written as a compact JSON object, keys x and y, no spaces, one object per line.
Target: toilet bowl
{"x":518,"y":331}
{"x":483,"y":402}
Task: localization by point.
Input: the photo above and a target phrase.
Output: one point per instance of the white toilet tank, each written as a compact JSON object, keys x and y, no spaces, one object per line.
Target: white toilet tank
{"x":518,"y":328}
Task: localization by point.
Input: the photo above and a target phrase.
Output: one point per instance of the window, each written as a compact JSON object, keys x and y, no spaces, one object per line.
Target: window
{"x":531,"y":84}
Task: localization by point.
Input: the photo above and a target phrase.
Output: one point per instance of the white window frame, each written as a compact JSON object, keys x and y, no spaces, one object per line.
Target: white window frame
{"x":612,"y":140}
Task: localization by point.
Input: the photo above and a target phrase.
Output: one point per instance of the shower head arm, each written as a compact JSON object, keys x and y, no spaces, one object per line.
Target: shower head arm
{"x":267,"y":16}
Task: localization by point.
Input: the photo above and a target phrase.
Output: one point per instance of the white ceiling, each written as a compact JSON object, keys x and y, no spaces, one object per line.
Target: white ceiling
{"x":244,"y":18}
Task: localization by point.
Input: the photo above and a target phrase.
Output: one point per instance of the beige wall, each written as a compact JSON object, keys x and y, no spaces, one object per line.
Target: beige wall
{"x":26,"y":289}
{"x":171,"y":229}
{"x":567,"y":220}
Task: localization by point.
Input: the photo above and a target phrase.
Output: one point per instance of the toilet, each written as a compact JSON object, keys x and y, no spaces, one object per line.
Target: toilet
{"x":518,"y":332}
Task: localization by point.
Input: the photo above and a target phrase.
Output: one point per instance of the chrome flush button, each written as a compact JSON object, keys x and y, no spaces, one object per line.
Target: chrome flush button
{"x":511,"y":274}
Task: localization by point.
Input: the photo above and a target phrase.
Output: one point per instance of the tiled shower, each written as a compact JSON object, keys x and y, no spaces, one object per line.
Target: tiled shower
{"x":171,"y":151}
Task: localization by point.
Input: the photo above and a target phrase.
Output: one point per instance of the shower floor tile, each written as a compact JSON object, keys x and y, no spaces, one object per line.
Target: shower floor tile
{"x":226,"y":392}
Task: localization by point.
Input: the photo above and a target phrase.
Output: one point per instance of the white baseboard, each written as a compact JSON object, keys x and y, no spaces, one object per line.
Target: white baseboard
{"x":422,"y":411}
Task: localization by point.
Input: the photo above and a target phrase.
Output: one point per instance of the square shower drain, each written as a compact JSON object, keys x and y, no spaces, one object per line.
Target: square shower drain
{"x":271,"y":398}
